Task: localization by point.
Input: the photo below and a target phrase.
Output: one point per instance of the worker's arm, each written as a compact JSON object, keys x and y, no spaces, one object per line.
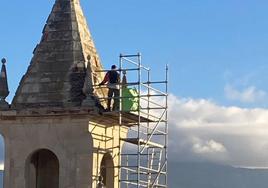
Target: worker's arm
{"x":106,"y":79}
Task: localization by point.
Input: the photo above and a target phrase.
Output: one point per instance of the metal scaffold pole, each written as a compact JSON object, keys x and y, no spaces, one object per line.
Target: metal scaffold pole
{"x":139,"y":127}
{"x":120,"y":122}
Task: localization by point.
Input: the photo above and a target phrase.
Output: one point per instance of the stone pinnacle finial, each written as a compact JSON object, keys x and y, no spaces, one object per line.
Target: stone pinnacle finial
{"x":4,"y":92}
{"x":3,"y":60}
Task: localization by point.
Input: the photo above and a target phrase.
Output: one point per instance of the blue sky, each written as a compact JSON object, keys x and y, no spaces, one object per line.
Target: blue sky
{"x":208,"y":44}
{"x":217,"y":52}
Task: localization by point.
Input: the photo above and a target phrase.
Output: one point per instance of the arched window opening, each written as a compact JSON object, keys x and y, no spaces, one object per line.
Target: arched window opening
{"x":107,"y":170}
{"x":43,"y":170}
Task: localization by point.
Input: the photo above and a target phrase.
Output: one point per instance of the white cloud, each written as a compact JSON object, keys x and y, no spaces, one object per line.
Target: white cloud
{"x":203,"y":130}
{"x":247,"y":95}
{"x":210,"y":146}
{"x":2,"y":166}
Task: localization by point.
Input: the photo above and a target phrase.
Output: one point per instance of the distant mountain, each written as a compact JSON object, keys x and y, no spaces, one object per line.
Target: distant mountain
{"x":206,"y":175}
{"x":1,"y":179}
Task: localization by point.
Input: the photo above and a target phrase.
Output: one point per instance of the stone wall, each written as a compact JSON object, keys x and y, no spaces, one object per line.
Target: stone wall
{"x":67,"y":137}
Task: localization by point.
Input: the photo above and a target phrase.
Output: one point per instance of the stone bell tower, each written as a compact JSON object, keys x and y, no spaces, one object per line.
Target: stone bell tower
{"x":54,"y":131}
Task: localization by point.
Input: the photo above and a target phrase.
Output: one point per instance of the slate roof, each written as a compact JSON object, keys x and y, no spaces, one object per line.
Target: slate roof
{"x":64,"y":66}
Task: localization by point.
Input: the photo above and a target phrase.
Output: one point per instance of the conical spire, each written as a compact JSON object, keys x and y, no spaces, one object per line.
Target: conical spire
{"x":4,"y":92}
{"x":66,"y":52}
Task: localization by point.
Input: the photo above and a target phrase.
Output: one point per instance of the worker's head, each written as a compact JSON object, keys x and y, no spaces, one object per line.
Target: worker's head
{"x":113,"y":67}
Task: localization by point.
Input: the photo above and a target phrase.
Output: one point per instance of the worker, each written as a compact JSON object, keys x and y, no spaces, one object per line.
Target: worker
{"x":113,"y":79}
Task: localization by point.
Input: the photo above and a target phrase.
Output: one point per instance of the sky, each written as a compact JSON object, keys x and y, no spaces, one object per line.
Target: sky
{"x":216,"y":51}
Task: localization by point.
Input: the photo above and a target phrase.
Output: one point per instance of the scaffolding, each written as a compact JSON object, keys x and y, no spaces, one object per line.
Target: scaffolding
{"x":143,"y":153}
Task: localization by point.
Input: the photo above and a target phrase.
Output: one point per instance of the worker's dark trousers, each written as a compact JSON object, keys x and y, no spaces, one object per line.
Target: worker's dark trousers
{"x":113,"y":94}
